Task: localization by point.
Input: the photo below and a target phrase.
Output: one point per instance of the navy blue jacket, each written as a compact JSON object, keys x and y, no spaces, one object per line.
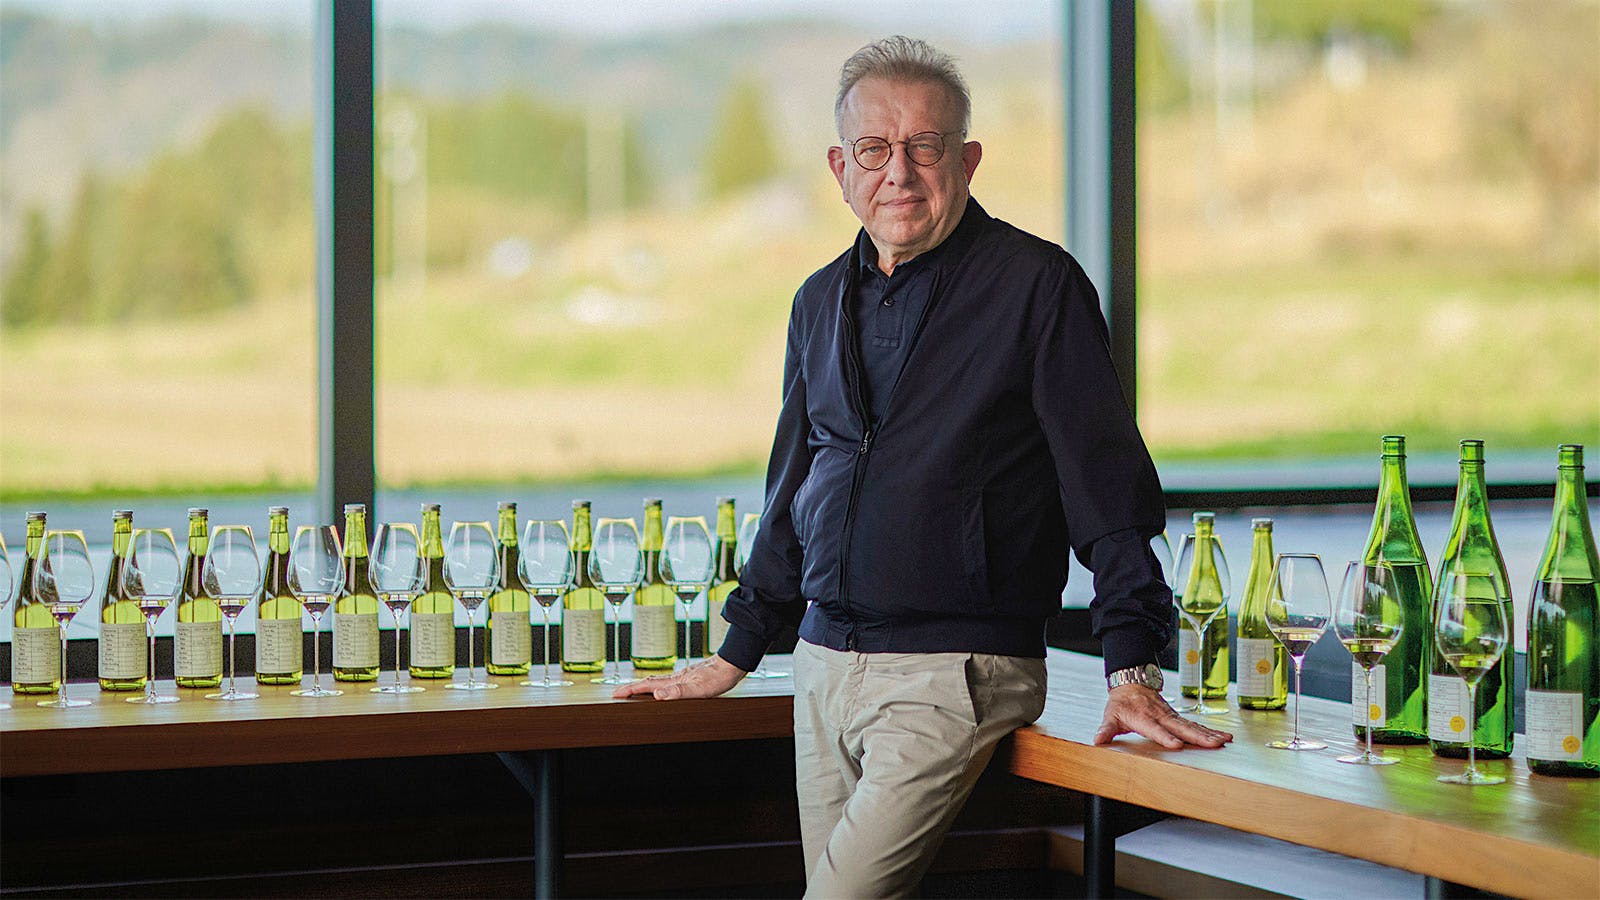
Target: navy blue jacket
{"x":1005,"y":442}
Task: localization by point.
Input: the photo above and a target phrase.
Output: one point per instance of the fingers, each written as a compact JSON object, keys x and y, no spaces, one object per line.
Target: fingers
{"x":662,"y":687}
{"x":1157,"y":722}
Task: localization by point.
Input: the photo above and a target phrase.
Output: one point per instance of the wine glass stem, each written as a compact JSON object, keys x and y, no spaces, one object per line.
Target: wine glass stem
{"x":1298,"y":660}
{"x":63,"y":673}
{"x":616,"y":640}
{"x":472,"y":615}
{"x":396,"y":614}
{"x":546,"y":611}
{"x":1472,"y":746}
{"x":231,"y":621}
{"x":150,"y":686}
{"x":316,"y":653}
{"x":1368,"y":713}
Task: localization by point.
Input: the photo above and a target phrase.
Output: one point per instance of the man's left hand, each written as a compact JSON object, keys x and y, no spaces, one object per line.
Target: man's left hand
{"x":1139,"y":709}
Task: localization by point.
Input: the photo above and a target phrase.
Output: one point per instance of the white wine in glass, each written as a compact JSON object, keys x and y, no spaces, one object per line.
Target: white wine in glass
{"x":63,"y":580}
{"x":1297,"y":613}
{"x":1470,"y":631}
{"x":232,"y":576}
{"x":398,"y":573}
{"x":316,"y":576}
{"x":1369,"y":620}
{"x":151,"y":577}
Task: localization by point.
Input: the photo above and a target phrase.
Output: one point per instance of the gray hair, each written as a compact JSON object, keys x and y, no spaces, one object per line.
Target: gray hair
{"x":901,"y":58}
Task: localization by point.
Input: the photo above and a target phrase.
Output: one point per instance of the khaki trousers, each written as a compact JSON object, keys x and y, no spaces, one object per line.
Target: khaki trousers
{"x":887,"y":750}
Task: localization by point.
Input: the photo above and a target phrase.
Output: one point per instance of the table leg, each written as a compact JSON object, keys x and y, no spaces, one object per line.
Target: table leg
{"x":1100,"y":847}
{"x":539,"y":773}
{"x":1439,"y":889}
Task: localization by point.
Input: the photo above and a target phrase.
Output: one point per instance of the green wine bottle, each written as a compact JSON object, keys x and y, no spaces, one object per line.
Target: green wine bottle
{"x":583,"y":623}
{"x":655,"y":631}
{"x":508,"y":634}
{"x":1263,"y":663}
{"x":1204,"y":588}
{"x":122,"y":634}
{"x":1471,"y":550}
{"x":35,"y":636}
{"x":197,"y":637}
{"x":355,"y":612}
{"x":280,"y":639}
{"x":1563,"y":701}
{"x":725,"y":578}
{"x":433,"y":612}
{"x":1399,"y":713}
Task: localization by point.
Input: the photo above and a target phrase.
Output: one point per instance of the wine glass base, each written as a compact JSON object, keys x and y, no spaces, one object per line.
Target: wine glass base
{"x":611,"y":679}
{"x":232,"y":695}
{"x":764,"y":672}
{"x":62,"y":704}
{"x":1297,"y":744}
{"x":1471,"y":776}
{"x":151,"y":698}
{"x":398,"y":689}
{"x":1188,"y":706}
{"x":1368,"y":759}
{"x":317,"y":692}
{"x":472,"y":686}
{"x":1205,"y":709}
{"x":5,"y":706}
{"x":545,"y":684}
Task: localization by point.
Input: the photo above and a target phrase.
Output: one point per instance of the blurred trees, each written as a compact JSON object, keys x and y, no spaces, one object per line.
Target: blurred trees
{"x":742,"y":151}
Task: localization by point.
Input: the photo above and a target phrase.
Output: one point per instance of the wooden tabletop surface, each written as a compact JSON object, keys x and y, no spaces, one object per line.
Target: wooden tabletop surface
{"x":1532,"y":836}
{"x":110,"y":735}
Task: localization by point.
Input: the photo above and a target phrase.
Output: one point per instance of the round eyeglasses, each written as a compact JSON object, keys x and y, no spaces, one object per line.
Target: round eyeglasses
{"x":925,"y":148}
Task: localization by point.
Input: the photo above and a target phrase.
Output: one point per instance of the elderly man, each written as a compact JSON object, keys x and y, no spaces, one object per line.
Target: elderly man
{"x":951,"y":426}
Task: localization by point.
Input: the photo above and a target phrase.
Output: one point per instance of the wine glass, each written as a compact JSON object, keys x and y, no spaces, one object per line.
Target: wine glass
{"x":748,"y":529}
{"x":7,"y":588}
{"x":232,"y":575}
{"x":616,"y":565}
{"x":686,"y":565}
{"x":471,"y":570}
{"x":398,"y":573}
{"x":1297,"y":614}
{"x":63,"y":579}
{"x":316,"y":576}
{"x":1199,"y":601}
{"x":1470,"y":632}
{"x":547,"y":570}
{"x":1368,"y":620}
{"x":151,"y":575}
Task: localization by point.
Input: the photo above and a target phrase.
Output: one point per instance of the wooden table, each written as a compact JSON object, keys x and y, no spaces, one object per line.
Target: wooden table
{"x":525,"y":726}
{"x":1533,"y":836}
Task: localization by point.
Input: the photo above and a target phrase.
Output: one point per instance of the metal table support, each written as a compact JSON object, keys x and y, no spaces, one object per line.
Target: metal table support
{"x":539,"y":773}
{"x":1104,"y":821}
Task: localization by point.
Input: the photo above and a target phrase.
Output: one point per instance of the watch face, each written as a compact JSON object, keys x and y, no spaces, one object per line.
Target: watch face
{"x":1152,"y":676}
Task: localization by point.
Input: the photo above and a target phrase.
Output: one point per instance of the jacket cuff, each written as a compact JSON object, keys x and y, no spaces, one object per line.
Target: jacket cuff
{"x":743,"y":648}
{"x":1123,"y":648}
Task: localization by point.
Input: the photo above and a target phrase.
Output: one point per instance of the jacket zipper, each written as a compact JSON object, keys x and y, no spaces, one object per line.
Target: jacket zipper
{"x":853,"y":374}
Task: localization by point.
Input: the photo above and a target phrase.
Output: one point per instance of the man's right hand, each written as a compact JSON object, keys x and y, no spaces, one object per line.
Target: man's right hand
{"x":706,"y":678}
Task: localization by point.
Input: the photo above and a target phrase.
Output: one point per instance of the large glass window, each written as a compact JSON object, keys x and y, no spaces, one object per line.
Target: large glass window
{"x":1359,"y":218}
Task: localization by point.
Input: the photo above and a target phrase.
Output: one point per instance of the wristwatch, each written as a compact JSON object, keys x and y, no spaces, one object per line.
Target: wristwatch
{"x":1148,"y":675}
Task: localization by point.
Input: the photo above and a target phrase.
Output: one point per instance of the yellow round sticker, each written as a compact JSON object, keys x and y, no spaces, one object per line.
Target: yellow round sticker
{"x":1457,"y":723}
{"x":1264,"y":666}
{"x":1374,"y":713}
{"x":1192,"y":657}
{"x":1570,"y":743}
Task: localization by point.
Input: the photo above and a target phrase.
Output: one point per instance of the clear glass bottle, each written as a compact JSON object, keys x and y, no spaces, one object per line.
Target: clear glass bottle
{"x":122,"y":637}
{"x":583,"y":623}
{"x":35,"y":636}
{"x":433,"y":612}
{"x":197,"y":637}
{"x":280,"y":637}
{"x":1471,"y":550}
{"x":1263,"y":663}
{"x":1400,"y":685}
{"x":1563,"y":700}
{"x":355,"y":612}
{"x":508,"y":631}
{"x":654,"y":642}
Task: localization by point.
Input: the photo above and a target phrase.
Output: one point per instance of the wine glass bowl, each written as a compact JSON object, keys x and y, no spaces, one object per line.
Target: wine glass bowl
{"x":746,"y":542}
{"x":471,"y":573}
{"x":547,"y":570}
{"x":1368,"y":620}
{"x":63,"y":580}
{"x":398,"y":573}
{"x":1297,"y":613}
{"x":316,"y":577}
{"x":1200,"y":592}
{"x":232,"y":575}
{"x":151,"y":576}
{"x":616,"y":565}
{"x":686,"y":565}
{"x":1471,"y":632}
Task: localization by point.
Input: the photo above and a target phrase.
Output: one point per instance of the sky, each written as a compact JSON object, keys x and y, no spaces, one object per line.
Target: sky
{"x":1004,"y":20}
